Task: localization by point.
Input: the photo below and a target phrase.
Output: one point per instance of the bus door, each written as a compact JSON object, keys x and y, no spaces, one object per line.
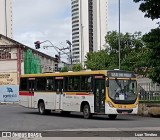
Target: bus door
{"x":99,"y":94}
{"x":31,"y":87}
{"x":59,"y":93}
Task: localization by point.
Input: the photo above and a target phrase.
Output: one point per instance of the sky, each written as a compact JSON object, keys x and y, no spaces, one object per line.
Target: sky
{"x":51,"y":20}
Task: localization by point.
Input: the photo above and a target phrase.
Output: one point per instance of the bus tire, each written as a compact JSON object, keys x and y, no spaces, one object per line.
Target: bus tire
{"x":112,"y":116}
{"x":86,"y":112}
{"x":41,"y":108}
{"x":48,"y":111}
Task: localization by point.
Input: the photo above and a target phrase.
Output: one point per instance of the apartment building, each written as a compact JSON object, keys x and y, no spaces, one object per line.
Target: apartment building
{"x":89,"y":27}
{"x":6,"y":18}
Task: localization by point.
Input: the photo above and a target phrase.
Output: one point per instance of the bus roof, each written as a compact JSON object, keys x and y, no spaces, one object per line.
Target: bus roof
{"x":103,"y":72}
{"x":84,"y":72}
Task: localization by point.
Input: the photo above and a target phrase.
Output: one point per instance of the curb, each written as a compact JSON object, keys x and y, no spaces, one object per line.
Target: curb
{"x":8,"y":103}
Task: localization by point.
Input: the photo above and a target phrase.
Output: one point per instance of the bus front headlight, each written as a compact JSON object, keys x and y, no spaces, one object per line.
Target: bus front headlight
{"x":110,"y":104}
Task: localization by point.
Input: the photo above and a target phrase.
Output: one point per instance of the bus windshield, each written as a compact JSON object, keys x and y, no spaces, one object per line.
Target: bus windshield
{"x":122,"y":91}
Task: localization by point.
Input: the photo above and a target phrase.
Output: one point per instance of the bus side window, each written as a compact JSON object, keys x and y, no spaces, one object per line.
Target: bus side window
{"x":66,"y":84}
{"x":50,"y":84}
{"x":41,"y":84}
{"x":23,"y":84}
{"x":86,"y":83}
{"x":89,"y":87}
{"x":73,"y":83}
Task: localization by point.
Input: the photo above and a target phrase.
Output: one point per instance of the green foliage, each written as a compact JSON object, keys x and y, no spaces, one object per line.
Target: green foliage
{"x":150,"y":8}
{"x":152,"y":42}
{"x":134,"y":55}
{"x":64,"y":69}
{"x":32,"y":64}
{"x":77,"y":67}
{"x":132,"y":50}
{"x":98,"y":60}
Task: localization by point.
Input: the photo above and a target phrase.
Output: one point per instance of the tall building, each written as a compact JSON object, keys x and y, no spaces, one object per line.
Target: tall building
{"x":89,"y":27}
{"x":6,"y":18}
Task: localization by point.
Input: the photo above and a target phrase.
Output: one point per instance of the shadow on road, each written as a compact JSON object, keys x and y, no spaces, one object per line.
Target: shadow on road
{"x":80,"y":116}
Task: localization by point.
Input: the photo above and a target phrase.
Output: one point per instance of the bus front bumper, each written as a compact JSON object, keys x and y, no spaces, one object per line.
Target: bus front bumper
{"x":112,"y":110}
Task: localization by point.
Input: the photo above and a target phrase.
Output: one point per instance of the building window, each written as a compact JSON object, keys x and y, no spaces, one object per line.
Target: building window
{"x":76,"y":33}
{"x":74,"y":6}
{"x":75,"y":49}
{"x":76,"y":25}
{"x":75,"y":53}
{"x":76,"y":21}
{"x":76,"y":29}
{"x":75,"y":45}
{"x":75,"y":37}
{"x":75,"y":9}
{"x":75,"y":41}
{"x":76,"y":1}
{"x":75,"y":13}
{"x":5,"y":53}
{"x":75,"y":57}
{"x":75,"y":17}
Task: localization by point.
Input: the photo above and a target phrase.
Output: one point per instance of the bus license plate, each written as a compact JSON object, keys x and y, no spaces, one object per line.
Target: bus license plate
{"x":124,"y":112}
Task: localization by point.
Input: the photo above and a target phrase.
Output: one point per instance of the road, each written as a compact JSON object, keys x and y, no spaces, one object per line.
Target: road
{"x":16,"y":118}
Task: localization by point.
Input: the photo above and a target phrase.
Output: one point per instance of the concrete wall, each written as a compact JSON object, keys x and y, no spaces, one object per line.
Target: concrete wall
{"x":8,"y":66}
{"x":148,"y":109}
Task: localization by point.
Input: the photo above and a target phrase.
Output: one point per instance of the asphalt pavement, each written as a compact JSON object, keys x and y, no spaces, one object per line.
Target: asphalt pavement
{"x":16,"y":118}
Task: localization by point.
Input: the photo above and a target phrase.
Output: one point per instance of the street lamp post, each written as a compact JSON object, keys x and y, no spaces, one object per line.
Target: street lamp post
{"x":70,"y":44}
{"x":59,"y":51}
{"x":58,"y":57}
{"x":119,"y":38}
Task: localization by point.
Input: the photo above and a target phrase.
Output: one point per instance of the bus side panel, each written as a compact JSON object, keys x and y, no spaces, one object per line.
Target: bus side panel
{"x":47,"y":97}
{"x":73,"y":102}
{"x":24,"y":101}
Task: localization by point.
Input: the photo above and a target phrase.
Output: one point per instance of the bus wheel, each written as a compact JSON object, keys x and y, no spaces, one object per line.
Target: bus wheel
{"x":86,"y":112}
{"x":112,"y":116}
{"x":41,"y":108}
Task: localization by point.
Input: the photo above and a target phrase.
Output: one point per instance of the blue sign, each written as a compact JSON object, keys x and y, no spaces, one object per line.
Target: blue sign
{"x":9,"y":93}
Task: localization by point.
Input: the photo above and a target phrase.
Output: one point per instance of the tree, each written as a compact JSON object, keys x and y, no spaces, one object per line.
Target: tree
{"x":152,"y":39}
{"x":98,"y":60}
{"x":152,"y":42}
{"x":64,"y":69}
{"x":77,"y":67}
{"x":132,"y":50}
{"x":150,"y":8}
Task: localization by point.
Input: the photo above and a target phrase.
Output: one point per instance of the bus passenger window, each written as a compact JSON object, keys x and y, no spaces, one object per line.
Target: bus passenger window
{"x":86,"y":83}
{"x":23,"y":84}
{"x":89,"y":87}
{"x":73,"y":83}
{"x":49,"y":84}
{"x":41,"y":84}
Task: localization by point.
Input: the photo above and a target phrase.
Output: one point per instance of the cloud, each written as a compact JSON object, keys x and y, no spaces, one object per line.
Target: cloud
{"x":51,"y":20}
{"x":132,"y":19}
{"x":41,"y":20}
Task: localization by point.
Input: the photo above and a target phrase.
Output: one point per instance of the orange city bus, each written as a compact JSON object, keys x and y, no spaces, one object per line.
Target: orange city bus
{"x":110,"y":92}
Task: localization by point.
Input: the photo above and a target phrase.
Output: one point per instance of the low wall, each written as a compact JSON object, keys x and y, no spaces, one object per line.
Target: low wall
{"x":149,"y":109}
{"x":9,"y":93}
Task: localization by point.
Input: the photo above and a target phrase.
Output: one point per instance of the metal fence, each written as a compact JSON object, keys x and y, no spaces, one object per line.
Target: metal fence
{"x":149,"y":91}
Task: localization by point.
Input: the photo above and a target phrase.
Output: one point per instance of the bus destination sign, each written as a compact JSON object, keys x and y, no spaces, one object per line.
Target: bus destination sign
{"x":120,"y":74}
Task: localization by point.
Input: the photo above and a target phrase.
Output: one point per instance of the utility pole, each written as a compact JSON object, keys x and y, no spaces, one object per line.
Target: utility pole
{"x":119,"y":38}
{"x":70,"y":44}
